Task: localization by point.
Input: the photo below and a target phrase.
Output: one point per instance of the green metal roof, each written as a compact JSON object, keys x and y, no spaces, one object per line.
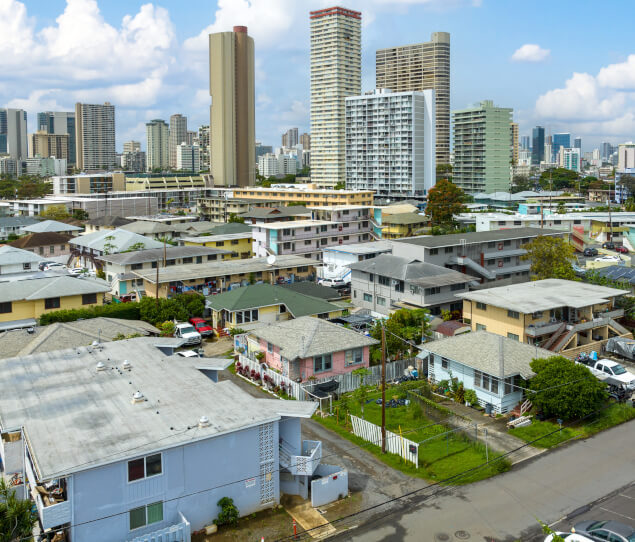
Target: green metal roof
{"x":264,"y":295}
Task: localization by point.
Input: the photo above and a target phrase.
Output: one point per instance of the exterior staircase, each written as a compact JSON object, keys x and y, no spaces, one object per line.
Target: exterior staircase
{"x":221,"y":332}
{"x":554,"y":338}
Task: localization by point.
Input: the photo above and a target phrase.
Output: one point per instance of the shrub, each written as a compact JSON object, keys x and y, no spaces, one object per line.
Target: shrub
{"x":126,"y":311}
{"x":470,"y":397}
{"x":228,"y":514}
{"x":167,"y":328}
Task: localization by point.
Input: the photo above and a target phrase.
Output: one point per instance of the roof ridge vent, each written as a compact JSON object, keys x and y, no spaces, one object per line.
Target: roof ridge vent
{"x":100,"y":366}
{"x":203,"y":421}
{"x":137,"y":397}
{"x":126,"y":365}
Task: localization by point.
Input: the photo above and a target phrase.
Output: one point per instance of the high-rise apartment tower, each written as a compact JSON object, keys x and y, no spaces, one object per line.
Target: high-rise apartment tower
{"x":537,"y":145}
{"x":95,"y":136}
{"x":514,"y":143}
{"x":13,"y":136}
{"x":336,"y":73}
{"x":178,"y":135}
{"x":232,"y":113}
{"x":60,"y":123}
{"x":419,"y":67}
{"x":157,"y":144}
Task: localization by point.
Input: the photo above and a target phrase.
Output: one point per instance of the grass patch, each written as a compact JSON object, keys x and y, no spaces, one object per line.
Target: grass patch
{"x":440,"y":458}
{"x":612,"y":415}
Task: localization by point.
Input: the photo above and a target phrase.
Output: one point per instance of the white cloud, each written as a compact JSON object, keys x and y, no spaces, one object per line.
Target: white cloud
{"x":298,"y":113}
{"x":619,"y":76}
{"x":530,"y":52}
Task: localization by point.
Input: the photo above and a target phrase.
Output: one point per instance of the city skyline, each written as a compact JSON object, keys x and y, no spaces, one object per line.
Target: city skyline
{"x":151,"y":61}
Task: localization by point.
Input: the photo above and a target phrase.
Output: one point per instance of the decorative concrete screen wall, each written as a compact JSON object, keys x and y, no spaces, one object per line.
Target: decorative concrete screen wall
{"x":395,"y":444}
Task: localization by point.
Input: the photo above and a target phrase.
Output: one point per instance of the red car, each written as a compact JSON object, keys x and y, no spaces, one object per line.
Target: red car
{"x":621,"y":249}
{"x":201,"y":325}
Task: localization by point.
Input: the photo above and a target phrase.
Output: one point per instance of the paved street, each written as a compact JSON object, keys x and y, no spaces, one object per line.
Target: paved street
{"x":506,"y":508}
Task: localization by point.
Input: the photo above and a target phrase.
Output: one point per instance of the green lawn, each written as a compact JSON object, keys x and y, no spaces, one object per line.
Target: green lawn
{"x":614,"y":414}
{"x":439,"y":459}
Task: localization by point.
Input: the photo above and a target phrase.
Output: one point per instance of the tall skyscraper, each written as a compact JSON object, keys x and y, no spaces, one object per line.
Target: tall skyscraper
{"x":188,"y":158}
{"x":13,"y":136}
{"x":157,"y":144}
{"x":537,"y":145}
{"x":577,"y":143}
{"x":305,"y":141}
{"x":606,"y":149}
{"x":482,"y":152}
{"x":95,"y":136}
{"x":202,"y":140}
{"x":560,"y":140}
{"x":132,"y":146}
{"x":420,"y":67}
{"x":60,"y":123}
{"x":178,"y":135}
{"x":290,"y":138}
{"x":514,"y":143}
{"x":336,"y":73}
{"x":232,"y":113}
{"x":46,"y":145}
{"x":396,"y":131}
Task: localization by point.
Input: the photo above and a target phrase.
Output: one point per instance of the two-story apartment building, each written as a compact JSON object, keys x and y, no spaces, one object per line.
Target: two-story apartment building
{"x":14,"y":225}
{"x":45,"y":244}
{"x":490,"y":257}
{"x":16,"y":261}
{"x":122,"y":441}
{"x":336,"y":259}
{"x":386,"y":282}
{"x":562,"y":316}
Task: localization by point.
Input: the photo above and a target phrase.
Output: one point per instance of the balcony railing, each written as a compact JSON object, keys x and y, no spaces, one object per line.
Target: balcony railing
{"x":599,"y":319}
{"x":304,"y":464}
{"x":179,"y":532}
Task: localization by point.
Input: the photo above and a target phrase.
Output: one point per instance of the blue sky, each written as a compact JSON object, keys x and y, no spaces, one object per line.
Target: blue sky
{"x":562,"y":64}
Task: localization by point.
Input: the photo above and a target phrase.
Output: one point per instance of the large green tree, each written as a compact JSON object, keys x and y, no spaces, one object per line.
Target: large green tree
{"x":522,"y":183}
{"x":551,"y":258}
{"x":558,"y":178}
{"x":17,"y":516}
{"x":628,"y":182}
{"x":403,"y":328}
{"x":445,"y":200}
{"x":180,"y":307}
{"x":55,"y":212}
{"x":564,"y":389}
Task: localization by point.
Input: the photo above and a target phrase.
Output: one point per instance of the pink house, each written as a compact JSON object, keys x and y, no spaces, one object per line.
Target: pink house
{"x":307,"y":346}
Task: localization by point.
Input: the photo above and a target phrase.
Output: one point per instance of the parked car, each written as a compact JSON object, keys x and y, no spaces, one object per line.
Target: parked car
{"x":77,"y":271}
{"x":607,"y":368}
{"x":202,"y":326}
{"x":608,"y":245}
{"x":615,"y":531}
{"x":42,"y":265}
{"x":332,"y":283}
{"x":186,"y":331}
{"x":54,"y":266}
{"x":569,"y":537}
{"x":621,"y":249}
{"x":128,"y":298}
{"x":590,"y":252}
{"x":608,"y":258}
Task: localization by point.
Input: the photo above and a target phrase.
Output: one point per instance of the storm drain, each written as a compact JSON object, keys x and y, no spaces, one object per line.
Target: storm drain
{"x":441,"y":537}
{"x":462,"y":535}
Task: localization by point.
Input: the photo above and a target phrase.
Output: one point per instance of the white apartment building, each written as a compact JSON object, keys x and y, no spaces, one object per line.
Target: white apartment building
{"x":569,"y":158}
{"x":336,"y":72}
{"x":271,"y":164}
{"x":390,"y":142}
{"x":95,"y":136}
{"x":626,"y":156}
{"x":157,"y":143}
{"x":188,"y":158}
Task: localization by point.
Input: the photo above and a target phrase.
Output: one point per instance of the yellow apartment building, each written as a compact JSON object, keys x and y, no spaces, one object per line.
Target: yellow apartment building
{"x":307,"y":194}
{"x":240,"y":244}
{"x":562,"y":316}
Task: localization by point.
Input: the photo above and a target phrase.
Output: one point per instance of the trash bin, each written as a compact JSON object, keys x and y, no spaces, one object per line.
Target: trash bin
{"x":488,"y":408}
{"x":594,"y":355}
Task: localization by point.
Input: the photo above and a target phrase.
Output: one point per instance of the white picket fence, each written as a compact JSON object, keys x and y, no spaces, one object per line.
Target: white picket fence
{"x":293,"y":388}
{"x":395,"y":444}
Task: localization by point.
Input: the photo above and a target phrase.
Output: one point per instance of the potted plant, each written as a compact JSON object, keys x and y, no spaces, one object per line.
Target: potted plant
{"x":260,"y":356}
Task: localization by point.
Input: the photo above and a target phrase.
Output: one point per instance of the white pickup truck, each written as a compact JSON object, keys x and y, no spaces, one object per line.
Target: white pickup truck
{"x":186,"y":331}
{"x":607,"y":368}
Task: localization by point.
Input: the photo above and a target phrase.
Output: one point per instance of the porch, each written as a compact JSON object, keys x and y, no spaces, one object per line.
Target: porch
{"x":303,"y":463}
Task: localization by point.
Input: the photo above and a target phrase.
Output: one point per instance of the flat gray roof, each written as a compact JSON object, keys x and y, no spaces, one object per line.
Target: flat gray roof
{"x":156,"y":254}
{"x":483,"y":351}
{"x":46,"y":287}
{"x":434,"y":241}
{"x":217,"y":269}
{"x":541,"y":295}
{"x":361,"y":248}
{"x":76,"y":418}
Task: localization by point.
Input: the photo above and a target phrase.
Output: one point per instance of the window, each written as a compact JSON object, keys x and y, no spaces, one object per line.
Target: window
{"x":368,"y":298}
{"x":512,"y":336}
{"x":384,"y":281}
{"x":507,"y":243}
{"x":26,"y":266}
{"x":537,"y":315}
{"x":381,"y":301}
{"x":144,"y":467}
{"x":509,"y":385}
{"x":6,"y":307}
{"x":211,"y":257}
{"x":455,"y":287}
{"x":507,"y":260}
{"x":433,"y":291}
{"x":448,"y":250}
{"x":234,"y":241}
{"x":481,"y":306}
{"x":399,"y":286}
{"x":170,"y":262}
{"x":513,"y":314}
{"x":434,"y":251}
{"x":154,"y":265}
{"x":254,"y":315}
{"x":445,"y":363}
{"x":52,"y":303}
{"x":52,"y":249}
{"x":89,"y":299}
{"x":135,"y":266}
{"x":354,"y":356}
{"x":146,"y":515}
{"x":371,"y":277}
{"x":270,"y":348}
{"x":220,"y":243}
{"x":188,"y":260}
{"x":415,"y":289}
{"x":41,"y":250}
{"x":480,"y":327}
{"x":199,"y":259}
{"x":283,"y":308}
{"x":322,"y":363}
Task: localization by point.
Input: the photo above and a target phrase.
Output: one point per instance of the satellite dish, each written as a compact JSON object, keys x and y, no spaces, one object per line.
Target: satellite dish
{"x":271,"y":259}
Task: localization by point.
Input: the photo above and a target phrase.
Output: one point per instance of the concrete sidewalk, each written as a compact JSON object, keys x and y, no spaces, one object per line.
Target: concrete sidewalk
{"x":307,"y":517}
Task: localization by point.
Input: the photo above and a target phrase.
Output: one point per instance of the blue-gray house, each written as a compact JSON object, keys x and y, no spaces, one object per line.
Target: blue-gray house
{"x":491,"y":365}
{"x":123,"y":442}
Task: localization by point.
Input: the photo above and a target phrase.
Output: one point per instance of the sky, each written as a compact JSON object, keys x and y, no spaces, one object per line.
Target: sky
{"x":566,"y":65}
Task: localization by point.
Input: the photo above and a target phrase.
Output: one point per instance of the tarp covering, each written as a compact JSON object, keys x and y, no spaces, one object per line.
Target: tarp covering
{"x":622,"y":346}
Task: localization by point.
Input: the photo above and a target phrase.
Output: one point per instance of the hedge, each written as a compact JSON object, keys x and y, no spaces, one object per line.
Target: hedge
{"x":126,"y":311}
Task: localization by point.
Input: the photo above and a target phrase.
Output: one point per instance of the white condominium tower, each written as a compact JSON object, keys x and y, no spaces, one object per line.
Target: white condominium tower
{"x":336,"y":68}
{"x":178,"y":135}
{"x":419,"y":67}
{"x":95,"y":136}
{"x":390,"y":142}
{"x":157,"y":144}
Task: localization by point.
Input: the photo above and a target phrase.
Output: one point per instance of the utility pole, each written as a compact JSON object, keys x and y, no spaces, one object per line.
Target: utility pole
{"x":383,"y":389}
{"x":165,"y":251}
{"x":156,"y":290}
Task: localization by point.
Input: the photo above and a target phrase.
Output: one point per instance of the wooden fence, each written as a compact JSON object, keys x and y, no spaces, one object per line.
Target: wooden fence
{"x":395,"y":444}
{"x":292,"y":388}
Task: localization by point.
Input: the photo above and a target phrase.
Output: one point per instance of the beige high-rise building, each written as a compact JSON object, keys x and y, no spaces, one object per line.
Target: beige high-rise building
{"x":95,"y":136}
{"x":305,"y":141}
{"x":336,"y":73}
{"x":232,"y":113}
{"x":419,"y":67}
{"x":157,"y":144}
{"x":132,"y":146}
{"x":46,"y":145}
{"x":178,"y":135}
{"x":515,"y":145}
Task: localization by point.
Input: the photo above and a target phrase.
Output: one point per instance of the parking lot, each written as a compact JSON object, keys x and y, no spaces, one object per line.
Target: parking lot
{"x":617,"y":506}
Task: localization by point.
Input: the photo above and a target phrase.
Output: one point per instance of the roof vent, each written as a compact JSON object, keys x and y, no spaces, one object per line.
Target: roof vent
{"x":101,"y":366}
{"x":126,"y":366}
{"x":137,"y":397}
{"x":203,"y":421}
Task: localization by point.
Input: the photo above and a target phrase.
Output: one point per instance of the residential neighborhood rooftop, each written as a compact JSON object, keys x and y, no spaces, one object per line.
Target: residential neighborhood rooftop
{"x":77,"y":417}
{"x":213,"y":238}
{"x":40,"y":239}
{"x":156,"y":254}
{"x":115,"y":221}
{"x":294,"y":224}
{"x":147,"y":226}
{"x":276,"y":212}
{"x":119,"y":240}
{"x":434,"y":241}
{"x":361,"y":248}
{"x":306,"y":337}
{"x":488,"y":352}
{"x":12,"y":255}
{"x":45,"y":287}
{"x":541,"y":295}
{"x":51,"y":226}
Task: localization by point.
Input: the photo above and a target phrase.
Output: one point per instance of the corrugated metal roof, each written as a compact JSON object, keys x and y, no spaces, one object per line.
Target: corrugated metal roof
{"x":51,"y":226}
{"x":434,"y":241}
{"x":47,"y":287}
{"x":120,"y":239}
{"x":10,"y":255}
